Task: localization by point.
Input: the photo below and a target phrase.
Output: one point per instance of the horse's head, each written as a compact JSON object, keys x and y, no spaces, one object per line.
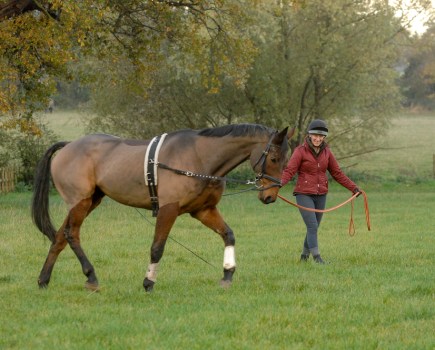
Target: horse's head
{"x":270,"y":163}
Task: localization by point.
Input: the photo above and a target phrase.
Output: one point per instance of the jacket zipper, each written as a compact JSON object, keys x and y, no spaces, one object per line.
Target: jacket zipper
{"x":318,"y":178}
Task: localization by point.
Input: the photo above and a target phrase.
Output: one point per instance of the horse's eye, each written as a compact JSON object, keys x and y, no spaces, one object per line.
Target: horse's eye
{"x":274,"y":160}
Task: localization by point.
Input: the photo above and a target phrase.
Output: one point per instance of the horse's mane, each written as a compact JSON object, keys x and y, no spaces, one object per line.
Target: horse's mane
{"x":235,"y":130}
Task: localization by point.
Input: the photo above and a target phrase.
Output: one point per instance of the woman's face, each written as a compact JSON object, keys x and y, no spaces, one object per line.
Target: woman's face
{"x":316,"y":139}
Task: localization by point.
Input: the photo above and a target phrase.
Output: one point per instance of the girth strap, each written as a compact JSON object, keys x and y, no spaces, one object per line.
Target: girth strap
{"x":150,"y":170}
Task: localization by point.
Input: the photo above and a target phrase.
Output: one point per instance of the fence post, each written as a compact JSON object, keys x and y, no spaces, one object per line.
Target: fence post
{"x":8,"y":177}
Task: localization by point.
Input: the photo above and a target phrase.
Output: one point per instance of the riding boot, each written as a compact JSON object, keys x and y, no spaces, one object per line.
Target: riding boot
{"x":304,"y":257}
{"x":318,"y":259}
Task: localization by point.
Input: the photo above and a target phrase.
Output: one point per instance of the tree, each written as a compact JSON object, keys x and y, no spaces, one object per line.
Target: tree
{"x":36,"y":46}
{"x":418,"y":80}
{"x":39,"y":39}
{"x":331,"y":59}
{"x":149,"y":93}
{"x":178,"y":98}
{"x":17,"y":7}
{"x":119,"y":43}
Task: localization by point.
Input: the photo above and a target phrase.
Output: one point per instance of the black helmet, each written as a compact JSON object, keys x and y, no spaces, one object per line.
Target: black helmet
{"x":318,"y":126}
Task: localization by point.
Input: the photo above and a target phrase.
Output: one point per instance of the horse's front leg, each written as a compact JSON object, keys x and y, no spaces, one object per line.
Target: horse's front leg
{"x":212,"y":218}
{"x":165,"y":220}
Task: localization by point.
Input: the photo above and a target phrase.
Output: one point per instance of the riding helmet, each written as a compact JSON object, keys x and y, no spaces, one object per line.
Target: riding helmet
{"x":318,"y":126}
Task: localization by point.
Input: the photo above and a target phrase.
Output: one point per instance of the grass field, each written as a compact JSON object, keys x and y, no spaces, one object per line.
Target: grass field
{"x":378,"y":291}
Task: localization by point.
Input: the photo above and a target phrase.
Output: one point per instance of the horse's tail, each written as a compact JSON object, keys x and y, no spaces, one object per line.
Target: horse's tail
{"x":40,"y":202}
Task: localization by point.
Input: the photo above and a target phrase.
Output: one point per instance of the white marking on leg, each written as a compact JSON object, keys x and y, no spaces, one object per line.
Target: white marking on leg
{"x":229,"y":257}
{"x":152,"y":272}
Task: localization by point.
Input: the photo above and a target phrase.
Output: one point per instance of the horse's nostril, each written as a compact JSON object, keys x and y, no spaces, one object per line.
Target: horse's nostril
{"x":268,"y":200}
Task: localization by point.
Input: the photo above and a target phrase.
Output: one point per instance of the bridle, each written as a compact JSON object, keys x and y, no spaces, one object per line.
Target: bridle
{"x":261,"y":175}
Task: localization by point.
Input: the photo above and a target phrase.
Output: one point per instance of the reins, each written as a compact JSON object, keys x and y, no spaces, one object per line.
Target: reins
{"x":351,"y":199}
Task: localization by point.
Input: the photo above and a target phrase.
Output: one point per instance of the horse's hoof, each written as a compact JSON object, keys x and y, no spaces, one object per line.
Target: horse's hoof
{"x":93,"y":287}
{"x":225,"y":283}
{"x":42,"y":285}
{"x":148,"y":285}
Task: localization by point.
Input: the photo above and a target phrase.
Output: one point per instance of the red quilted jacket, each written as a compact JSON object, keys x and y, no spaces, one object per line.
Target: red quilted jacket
{"x":311,"y":170}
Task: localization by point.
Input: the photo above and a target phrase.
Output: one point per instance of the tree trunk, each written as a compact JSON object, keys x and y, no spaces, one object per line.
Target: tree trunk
{"x":17,"y":7}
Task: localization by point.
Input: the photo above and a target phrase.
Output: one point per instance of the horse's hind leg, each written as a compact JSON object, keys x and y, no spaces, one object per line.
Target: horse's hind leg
{"x":72,"y":234}
{"x":60,"y":243}
{"x":55,"y":249}
{"x":211,"y":218}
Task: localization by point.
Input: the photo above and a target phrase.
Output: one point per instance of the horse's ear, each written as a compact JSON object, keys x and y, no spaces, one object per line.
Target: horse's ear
{"x":280,"y":137}
{"x":284,"y":133}
{"x":290,"y":133}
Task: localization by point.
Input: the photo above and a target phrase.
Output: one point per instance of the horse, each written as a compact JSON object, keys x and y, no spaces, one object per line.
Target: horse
{"x":191,"y":170}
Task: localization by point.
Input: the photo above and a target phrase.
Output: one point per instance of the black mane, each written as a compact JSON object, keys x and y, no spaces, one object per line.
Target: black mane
{"x":235,"y":130}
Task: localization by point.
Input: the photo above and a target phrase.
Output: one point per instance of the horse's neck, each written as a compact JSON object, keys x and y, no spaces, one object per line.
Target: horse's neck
{"x":223,"y":154}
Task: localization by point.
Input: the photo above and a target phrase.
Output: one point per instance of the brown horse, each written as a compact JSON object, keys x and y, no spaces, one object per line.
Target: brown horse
{"x":86,"y":170}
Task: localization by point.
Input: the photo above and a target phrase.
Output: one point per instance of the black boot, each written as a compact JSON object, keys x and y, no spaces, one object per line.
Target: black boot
{"x":304,"y":257}
{"x":318,"y":259}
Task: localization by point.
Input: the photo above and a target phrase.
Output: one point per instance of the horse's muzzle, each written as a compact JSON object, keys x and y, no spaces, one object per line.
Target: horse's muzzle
{"x":269,"y":199}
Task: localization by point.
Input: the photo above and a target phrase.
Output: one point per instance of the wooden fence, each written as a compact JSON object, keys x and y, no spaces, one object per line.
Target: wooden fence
{"x":8,"y":179}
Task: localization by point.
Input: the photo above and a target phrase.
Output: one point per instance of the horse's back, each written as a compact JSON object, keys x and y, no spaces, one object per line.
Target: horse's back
{"x":99,"y":160}
{"x":83,"y":153}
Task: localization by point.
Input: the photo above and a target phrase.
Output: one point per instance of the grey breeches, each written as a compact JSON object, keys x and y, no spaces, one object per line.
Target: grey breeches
{"x":311,"y":219}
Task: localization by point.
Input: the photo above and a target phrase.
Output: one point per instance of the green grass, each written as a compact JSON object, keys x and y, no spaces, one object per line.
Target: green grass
{"x":377,"y":293}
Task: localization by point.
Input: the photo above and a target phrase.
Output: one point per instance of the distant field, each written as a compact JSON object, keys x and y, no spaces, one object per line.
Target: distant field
{"x":411,"y":147}
{"x":68,"y":125}
{"x":409,"y":143}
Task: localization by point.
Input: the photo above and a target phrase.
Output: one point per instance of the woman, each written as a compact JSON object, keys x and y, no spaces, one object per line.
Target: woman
{"x":310,"y":161}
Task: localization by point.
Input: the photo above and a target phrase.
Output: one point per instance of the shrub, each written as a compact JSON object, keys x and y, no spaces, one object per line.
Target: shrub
{"x":23,"y":150}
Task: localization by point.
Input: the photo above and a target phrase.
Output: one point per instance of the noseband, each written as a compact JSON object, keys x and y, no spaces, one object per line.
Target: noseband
{"x":262,"y":174}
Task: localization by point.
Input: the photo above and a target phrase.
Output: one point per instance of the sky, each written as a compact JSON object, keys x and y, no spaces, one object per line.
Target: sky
{"x":418,"y":19}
